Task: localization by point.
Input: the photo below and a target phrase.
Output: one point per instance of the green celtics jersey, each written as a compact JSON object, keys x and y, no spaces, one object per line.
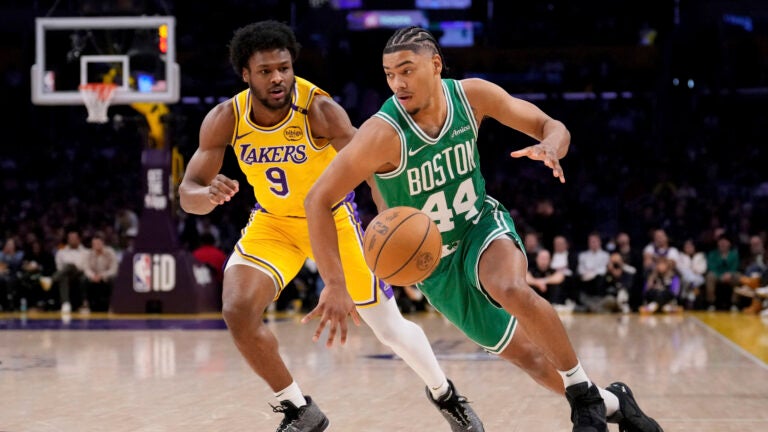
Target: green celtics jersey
{"x":440,"y":176}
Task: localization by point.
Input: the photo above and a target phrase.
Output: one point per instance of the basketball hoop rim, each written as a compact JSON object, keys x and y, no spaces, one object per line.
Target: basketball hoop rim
{"x":104,"y":91}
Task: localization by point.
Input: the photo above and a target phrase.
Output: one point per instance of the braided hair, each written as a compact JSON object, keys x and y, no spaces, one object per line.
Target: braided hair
{"x":260,"y":36}
{"x":416,"y":39}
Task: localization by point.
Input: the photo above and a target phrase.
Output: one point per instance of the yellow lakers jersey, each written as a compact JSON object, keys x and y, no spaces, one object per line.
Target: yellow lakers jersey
{"x":281,"y":162}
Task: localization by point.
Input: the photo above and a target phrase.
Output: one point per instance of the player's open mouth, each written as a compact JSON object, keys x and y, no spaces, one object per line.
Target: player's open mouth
{"x":277,"y":93}
{"x":404,"y":97}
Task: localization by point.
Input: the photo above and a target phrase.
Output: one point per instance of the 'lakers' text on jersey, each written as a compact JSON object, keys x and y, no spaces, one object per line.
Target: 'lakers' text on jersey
{"x":281,"y":162}
{"x":440,"y":176}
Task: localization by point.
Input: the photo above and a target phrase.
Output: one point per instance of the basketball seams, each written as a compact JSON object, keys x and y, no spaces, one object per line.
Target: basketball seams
{"x":401,"y":246}
{"x":391,"y":234}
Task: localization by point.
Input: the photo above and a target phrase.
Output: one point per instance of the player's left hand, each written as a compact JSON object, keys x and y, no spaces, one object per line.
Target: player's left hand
{"x":333,"y":308}
{"x":543,"y":153}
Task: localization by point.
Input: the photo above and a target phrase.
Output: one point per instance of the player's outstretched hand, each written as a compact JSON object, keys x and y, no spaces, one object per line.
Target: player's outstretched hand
{"x":543,"y":153}
{"x":332,"y":308}
{"x":222,"y":189}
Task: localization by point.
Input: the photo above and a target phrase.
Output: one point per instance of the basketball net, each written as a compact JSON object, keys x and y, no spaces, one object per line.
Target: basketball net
{"x":97,"y":98}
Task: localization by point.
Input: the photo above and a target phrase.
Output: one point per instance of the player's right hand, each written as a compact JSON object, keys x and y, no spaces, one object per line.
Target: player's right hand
{"x":222,"y":189}
{"x":333,"y":308}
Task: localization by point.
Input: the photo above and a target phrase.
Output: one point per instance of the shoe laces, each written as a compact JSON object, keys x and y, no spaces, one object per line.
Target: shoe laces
{"x":454,"y":407}
{"x":291,"y":415}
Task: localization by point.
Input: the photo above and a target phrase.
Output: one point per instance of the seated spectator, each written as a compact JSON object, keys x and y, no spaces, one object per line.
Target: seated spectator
{"x":591,"y":268}
{"x":10,"y":267}
{"x":70,"y":263}
{"x":662,"y":288}
{"x":210,"y":254}
{"x":618,"y":282}
{"x":722,"y":275}
{"x":692,"y":266}
{"x":532,"y":246}
{"x":592,"y":263}
{"x":658,"y":247}
{"x":629,"y":255}
{"x":756,"y":264}
{"x":632,"y":259}
{"x":36,"y":271}
{"x":100,"y":270}
{"x":126,"y":228}
{"x":562,"y":259}
{"x":565,"y":262}
{"x":610,"y":293}
{"x":545,"y":280}
{"x":755,"y":275}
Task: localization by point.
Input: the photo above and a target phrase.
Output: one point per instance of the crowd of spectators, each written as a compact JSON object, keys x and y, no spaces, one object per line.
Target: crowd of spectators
{"x":664,"y":207}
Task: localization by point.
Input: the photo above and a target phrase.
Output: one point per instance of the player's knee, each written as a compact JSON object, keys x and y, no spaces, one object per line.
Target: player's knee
{"x":238,"y":312}
{"x":512,"y":289}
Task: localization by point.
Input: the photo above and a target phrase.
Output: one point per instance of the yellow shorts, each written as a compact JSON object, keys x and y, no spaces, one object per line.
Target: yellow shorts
{"x":279,"y":246}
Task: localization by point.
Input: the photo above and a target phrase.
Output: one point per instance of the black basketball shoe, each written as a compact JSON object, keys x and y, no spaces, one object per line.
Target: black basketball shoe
{"x":629,"y":416}
{"x":307,"y":418}
{"x":456,"y":410}
{"x":587,"y":408}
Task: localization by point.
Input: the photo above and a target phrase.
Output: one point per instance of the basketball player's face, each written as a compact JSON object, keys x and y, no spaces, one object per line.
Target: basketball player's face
{"x":412,"y":77}
{"x":270,"y":78}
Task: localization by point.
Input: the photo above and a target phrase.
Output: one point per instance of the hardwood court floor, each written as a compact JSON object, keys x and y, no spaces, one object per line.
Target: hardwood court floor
{"x":156,"y":374}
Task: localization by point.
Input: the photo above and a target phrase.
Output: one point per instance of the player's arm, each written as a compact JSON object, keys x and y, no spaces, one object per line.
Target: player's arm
{"x":376,"y":195}
{"x":202,"y":188}
{"x":490,"y":100}
{"x":375,"y":147}
{"x":329,"y":120}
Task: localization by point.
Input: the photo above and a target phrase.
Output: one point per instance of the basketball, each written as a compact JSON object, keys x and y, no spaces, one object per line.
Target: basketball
{"x":402,"y":246}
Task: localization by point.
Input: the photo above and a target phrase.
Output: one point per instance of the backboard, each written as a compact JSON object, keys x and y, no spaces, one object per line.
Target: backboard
{"x":137,"y":53}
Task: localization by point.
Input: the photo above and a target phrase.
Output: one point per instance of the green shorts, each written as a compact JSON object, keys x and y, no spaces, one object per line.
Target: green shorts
{"x":454,"y":287}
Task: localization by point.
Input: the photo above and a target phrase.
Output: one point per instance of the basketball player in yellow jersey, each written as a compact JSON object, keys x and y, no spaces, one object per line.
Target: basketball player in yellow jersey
{"x":285,"y":131}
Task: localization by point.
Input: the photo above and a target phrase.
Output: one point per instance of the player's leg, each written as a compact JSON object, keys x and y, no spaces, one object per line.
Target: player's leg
{"x":263,"y":263}
{"x":496,"y":267}
{"x":620,"y":404}
{"x":246,"y":294}
{"x":377,"y":307}
{"x":407,"y":340}
{"x":501,"y":271}
{"x":527,"y":356}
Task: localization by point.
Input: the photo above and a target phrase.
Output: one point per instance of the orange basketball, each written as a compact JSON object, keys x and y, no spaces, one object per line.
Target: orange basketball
{"x":402,"y":246}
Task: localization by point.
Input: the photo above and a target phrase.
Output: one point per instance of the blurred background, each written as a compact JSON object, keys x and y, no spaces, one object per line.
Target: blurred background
{"x":665,"y":101}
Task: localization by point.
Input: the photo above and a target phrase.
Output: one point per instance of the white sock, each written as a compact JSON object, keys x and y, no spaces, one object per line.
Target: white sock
{"x":575,"y":375}
{"x":292,"y":393}
{"x":611,"y":401}
{"x":408,"y":341}
{"x":440,"y":391}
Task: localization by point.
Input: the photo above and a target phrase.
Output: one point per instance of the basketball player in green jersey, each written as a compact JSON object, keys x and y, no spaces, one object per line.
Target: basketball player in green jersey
{"x":421,"y":150}
{"x":284,"y":132}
